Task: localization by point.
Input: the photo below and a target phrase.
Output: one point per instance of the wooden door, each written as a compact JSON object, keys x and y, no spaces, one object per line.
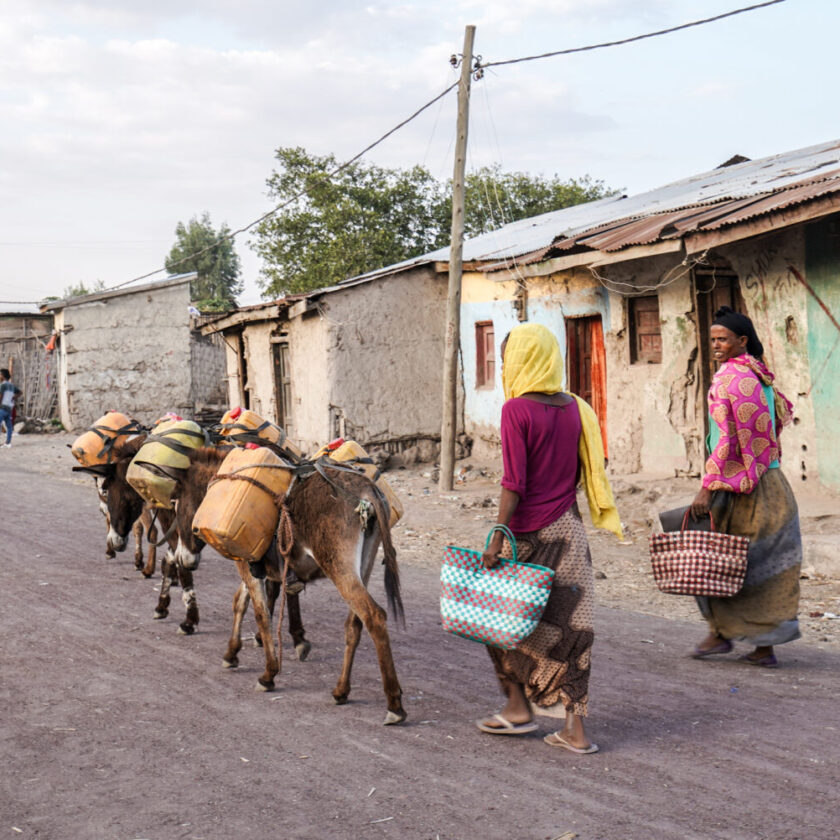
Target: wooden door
{"x":282,"y":385}
{"x":587,"y":365}
{"x":714,"y":287}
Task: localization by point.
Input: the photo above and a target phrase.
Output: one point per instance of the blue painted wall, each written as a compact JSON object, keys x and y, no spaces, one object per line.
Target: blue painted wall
{"x":550,"y":304}
{"x":822,"y":273}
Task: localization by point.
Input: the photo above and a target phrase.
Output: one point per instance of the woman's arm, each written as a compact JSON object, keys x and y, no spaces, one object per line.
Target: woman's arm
{"x":508,"y":503}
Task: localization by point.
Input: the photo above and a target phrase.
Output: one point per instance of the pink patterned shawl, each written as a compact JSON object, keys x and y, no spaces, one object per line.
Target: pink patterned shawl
{"x":739,"y":407}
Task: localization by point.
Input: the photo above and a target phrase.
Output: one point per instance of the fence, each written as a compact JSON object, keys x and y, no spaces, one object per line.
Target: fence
{"x":34,"y":371}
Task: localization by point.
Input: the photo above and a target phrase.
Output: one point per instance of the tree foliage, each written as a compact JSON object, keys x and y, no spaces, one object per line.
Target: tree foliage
{"x":200,"y":248}
{"x":81,"y":288}
{"x":367,"y":217}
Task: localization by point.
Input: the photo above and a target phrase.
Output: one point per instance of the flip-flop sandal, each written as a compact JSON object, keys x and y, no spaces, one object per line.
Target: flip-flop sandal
{"x":555,"y":740}
{"x":722,"y":647}
{"x":506,"y":728}
{"x":768,"y":661}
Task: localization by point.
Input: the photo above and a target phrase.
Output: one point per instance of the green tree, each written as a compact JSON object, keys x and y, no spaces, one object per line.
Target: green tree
{"x":79,"y":289}
{"x":367,"y":217}
{"x":494,"y":198}
{"x":363,"y":218}
{"x":200,"y":248}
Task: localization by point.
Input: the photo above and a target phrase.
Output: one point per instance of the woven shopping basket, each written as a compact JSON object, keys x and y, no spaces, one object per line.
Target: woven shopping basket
{"x":705,"y":563}
{"x":499,"y":606}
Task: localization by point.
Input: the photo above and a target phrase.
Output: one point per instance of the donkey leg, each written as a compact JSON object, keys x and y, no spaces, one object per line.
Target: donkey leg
{"x":188,"y":625}
{"x":373,"y":617}
{"x":352,"y":635}
{"x":302,"y":646}
{"x":151,"y":536}
{"x":240,"y":606}
{"x":272,"y":591}
{"x":168,"y":574}
{"x":256,"y":590}
{"x":137,"y":532}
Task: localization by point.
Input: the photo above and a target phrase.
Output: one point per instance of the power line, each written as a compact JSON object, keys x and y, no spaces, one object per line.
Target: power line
{"x":480,"y":67}
{"x":279,"y":207}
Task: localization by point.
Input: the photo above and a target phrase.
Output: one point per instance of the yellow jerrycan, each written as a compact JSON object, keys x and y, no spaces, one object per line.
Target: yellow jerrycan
{"x":155,"y":469}
{"x":349,"y":450}
{"x":243,"y":426}
{"x":239,"y":518}
{"x":96,"y":445}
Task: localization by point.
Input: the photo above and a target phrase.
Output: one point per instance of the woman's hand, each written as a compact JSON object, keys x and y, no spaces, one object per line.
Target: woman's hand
{"x":490,"y":558}
{"x":701,"y":503}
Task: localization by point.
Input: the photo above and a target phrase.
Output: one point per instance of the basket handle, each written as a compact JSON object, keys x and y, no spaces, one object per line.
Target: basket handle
{"x":508,"y":534}
{"x":685,"y":519}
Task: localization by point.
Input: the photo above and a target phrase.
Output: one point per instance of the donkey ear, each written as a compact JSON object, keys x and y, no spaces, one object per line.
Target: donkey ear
{"x":100,"y":470}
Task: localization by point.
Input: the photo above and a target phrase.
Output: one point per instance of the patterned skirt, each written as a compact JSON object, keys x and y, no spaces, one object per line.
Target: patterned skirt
{"x":764,"y":612}
{"x":552,"y":664}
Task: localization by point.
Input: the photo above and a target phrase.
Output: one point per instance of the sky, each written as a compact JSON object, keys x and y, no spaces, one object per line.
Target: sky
{"x":119,"y":119}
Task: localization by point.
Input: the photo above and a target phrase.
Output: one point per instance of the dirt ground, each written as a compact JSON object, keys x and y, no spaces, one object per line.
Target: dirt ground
{"x":114,"y":726}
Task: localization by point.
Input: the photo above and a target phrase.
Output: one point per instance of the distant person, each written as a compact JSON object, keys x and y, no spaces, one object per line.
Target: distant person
{"x":9,"y":392}
{"x":747,"y":494}
{"x":550,"y":439}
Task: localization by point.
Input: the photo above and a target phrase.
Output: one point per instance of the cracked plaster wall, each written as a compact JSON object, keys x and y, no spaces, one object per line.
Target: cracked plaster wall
{"x":127,"y":353}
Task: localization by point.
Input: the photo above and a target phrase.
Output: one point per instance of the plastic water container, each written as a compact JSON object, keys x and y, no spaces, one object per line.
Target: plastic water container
{"x":242,"y":422}
{"x":237,"y":518}
{"x":349,"y":450}
{"x":154,"y":470}
{"x":96,"y":445}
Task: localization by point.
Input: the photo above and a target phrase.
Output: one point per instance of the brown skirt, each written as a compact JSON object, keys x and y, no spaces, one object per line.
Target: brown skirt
{"x":552,"y":664}
{"x":764,"y":612}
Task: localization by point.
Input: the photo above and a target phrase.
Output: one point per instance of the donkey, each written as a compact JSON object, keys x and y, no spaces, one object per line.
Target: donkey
{"x":334,"y":536}
{"x":184,"y":549}
{"x":145,"y":523}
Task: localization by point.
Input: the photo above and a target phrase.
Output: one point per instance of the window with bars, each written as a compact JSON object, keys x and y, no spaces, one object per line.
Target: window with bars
{"x":485,"y":355}
{"x":645,"y":330}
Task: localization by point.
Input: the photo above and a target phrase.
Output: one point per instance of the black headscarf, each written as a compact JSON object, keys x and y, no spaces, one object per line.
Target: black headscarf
{"x":740,"y":325}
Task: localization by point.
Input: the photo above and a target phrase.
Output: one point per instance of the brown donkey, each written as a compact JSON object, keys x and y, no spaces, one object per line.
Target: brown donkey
{"x":184,"y":549}
{"x":337,"y":526}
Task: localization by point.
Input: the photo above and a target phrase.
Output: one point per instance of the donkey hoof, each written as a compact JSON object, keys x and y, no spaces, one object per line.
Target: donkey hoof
{"x":395,"y":717}
{"x":302,"y":649}
{"x":110,"y":555}
{"x":186,"y":629}
{"x":340,"y":699}
{"x":264,"y":686}
{"x":257,"y":640}
{"x":159,"y":614}
{"x":230,"y":663}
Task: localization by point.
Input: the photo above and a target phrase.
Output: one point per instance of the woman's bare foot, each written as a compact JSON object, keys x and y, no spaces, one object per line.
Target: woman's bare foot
{"x":572,"y":737}
{"x":711,"y":645}
{"x":517,"y":711}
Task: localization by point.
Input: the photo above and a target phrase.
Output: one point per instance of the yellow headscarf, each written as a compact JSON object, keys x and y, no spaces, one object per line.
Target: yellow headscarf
{"x":533,"y":363}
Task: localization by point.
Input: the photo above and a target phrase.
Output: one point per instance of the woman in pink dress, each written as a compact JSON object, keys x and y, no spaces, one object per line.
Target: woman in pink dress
{"x":747,"y":494}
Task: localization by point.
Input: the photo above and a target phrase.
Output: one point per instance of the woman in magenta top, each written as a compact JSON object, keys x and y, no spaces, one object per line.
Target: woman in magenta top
{"x":542,"y":428}
{"x":747,"y":494}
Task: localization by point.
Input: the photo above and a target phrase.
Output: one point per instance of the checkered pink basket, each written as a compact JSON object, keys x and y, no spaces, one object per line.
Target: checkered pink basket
{"x":705,"y":563}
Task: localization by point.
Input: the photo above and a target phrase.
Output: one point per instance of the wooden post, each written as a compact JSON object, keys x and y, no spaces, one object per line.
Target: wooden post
{"x":452,"y":336}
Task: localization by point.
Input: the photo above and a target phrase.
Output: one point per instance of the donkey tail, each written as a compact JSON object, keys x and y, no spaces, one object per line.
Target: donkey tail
{"x":389,"y":560}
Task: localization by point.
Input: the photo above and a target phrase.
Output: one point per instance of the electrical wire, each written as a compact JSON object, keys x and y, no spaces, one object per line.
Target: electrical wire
{"x":478,"y":71}
{"x":656,"y":34}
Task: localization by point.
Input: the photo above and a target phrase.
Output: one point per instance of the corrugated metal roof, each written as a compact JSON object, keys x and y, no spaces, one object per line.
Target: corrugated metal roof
{"x":709,"y":200}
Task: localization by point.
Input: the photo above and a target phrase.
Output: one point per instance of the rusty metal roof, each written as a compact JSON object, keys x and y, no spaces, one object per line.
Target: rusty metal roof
{"x":708,"y":201}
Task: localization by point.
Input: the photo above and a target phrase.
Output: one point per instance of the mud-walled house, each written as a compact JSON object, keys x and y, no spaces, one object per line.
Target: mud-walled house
{"x":361,"y":360}
{"x":137,"y":350}
{"x":629,"y":284}
{"x":25,"y":350}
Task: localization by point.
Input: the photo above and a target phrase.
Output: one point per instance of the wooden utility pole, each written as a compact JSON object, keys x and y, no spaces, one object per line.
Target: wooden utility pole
{"x":452,"y":336}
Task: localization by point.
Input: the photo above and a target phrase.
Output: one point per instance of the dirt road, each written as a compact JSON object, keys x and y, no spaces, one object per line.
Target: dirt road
{"x":113,"y":726}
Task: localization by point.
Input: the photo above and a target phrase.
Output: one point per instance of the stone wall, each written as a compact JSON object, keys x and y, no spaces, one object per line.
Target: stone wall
{"x":129,"y":351}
